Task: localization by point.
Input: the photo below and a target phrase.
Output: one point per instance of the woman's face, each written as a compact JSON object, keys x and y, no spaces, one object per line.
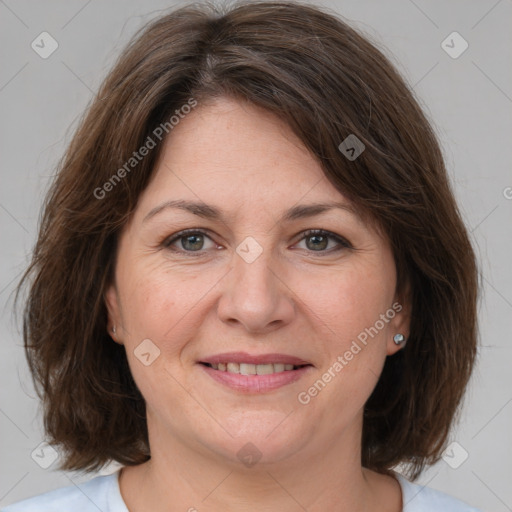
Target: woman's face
{"x":248,"y":279}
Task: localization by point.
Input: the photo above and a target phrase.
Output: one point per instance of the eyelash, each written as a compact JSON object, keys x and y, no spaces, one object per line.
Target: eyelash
{"x":343,"y":243}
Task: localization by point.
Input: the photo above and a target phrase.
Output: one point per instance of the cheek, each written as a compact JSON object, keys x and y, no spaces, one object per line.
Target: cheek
{"x":157,"y":308}
{"x":349,"y":301}
{"x":167,"y":307}
{"x":347,"y":306}
{"x":157,"y":302}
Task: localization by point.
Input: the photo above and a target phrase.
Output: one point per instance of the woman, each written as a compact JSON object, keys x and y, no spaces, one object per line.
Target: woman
{"x":252,"y":287}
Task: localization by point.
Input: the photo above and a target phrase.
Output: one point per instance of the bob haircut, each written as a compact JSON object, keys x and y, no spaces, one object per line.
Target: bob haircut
{"x":326,"y":81}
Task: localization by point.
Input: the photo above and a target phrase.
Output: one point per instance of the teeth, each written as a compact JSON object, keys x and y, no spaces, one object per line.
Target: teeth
{"x":233,"y":368}
{"x":247,"y":369}
{"x":252,"y":369}
{"x":265,"y":369}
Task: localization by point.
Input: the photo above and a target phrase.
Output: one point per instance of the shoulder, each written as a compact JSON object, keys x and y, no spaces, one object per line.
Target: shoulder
{"x":418,"y":498}
{"x":99,"y":493}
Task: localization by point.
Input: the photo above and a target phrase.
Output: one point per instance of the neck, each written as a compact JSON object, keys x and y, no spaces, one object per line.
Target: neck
{"x":317,"y":478}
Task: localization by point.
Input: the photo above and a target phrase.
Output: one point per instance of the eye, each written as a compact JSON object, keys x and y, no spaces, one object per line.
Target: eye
{"x":192,"y":242}
{"x":317,"y":240}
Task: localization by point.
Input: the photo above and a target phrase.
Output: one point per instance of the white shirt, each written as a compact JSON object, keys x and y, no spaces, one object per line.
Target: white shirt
{"x":102,"y":493}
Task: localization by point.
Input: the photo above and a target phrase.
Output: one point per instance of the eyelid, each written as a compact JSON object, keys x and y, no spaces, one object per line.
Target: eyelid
{"x":324,"y":232}
{"x":183,"y":233}
{"x":343,"y":242}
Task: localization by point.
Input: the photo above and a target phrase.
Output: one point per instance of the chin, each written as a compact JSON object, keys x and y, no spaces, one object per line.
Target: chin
{"x":259,"y":437}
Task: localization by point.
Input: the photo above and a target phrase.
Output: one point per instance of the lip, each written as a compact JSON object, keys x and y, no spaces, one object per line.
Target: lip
{"x":244,"y":357}
{"x":255,"y":384}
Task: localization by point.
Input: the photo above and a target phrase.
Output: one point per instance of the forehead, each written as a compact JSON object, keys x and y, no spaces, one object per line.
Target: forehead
{"x":235,"y":152}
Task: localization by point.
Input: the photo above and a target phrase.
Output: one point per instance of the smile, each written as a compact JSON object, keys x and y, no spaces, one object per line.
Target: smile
{"x":254,"y":369}
{"x":254,"y":374}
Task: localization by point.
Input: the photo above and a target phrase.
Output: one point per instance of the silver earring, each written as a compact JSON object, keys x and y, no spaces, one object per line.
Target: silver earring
{"x":398,"y":339}
{"x":114,"y":329}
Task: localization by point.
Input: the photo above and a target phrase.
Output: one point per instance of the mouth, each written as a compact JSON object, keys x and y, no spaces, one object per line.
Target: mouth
{"x":254,"y":369}
{"x":254,"y":374}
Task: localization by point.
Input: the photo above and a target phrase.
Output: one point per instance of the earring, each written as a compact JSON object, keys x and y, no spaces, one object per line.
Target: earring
{"x":398,"y":339}
{"x":114,"y":329}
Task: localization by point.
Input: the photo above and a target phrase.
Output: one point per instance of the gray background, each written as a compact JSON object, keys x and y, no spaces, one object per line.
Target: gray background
{"x":468,"y":98}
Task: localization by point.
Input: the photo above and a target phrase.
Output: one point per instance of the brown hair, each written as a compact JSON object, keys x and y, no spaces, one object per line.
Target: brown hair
{"x":326,"y":81}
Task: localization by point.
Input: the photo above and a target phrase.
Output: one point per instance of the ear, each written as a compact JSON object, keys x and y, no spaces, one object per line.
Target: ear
{"x":111,"y":299}
{"x":401,"y":322}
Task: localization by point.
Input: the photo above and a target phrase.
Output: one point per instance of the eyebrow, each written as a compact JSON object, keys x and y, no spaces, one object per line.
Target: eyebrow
{"x":207,"y":211}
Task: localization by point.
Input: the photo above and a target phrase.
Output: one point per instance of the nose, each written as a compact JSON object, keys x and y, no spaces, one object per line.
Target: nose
{"x":256,"y":295}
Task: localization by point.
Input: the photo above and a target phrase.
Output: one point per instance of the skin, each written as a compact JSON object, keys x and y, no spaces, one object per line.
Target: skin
{"x":296,"y":298}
